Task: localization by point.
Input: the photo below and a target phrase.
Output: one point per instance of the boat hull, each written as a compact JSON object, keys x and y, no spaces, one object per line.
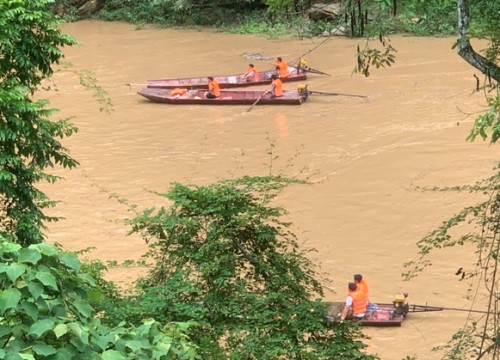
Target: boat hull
{"x":228,"y":97}
{"x":225,"y":81}
{"x":382,"y":315}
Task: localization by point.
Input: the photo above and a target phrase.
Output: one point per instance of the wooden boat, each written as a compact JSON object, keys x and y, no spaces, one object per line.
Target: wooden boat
{"x":225,"y":81}
{"x":227,"y":97}
{"x":376,"y":315}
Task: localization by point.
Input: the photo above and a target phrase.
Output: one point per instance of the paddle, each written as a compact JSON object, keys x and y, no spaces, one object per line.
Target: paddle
{"x":256,"y":101}
{"x":336,"y":94}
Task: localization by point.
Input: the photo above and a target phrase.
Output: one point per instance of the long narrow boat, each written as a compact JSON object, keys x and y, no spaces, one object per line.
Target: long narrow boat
{"x":377,"y":315}
{"x":225,"y":81}
{"x":227,"y":97}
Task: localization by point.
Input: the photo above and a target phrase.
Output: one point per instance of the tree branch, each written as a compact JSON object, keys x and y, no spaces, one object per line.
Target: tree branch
{"x":465,"y":49}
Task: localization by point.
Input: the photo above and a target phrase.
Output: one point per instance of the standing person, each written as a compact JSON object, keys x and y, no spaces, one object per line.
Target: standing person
{"x":276,"y":87}
{"x":282,"y":68}
{"x":355,"y":303}
{"x":251,"y":75}
{"x":213,"y":88}
{"x":362,"y":286}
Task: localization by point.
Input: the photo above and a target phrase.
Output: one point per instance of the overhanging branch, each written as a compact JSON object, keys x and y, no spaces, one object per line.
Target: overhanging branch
{"x":465,"y":49}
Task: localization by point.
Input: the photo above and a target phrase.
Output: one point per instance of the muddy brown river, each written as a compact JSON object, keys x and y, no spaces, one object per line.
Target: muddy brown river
{"x":364,"y":158}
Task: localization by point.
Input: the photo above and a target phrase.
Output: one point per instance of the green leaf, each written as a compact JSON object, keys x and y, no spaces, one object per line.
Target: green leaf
{"x":113,"y":355}
{"x":60,"y":330}
{"x":46,"y":249}
{"x":88,"y":279}
{"x":47,"y":279}
{"x":9,"y":299}
{"x":79,"y":331}
{"x":44,"y":349}
{"x":83,"y":307}
{"x":14,"y":271}
{"x":41,"y":327}
{"x":29,"y":255}
{"x":31,"y":309}
{"x":5,"y":330}
{"x":27,"y":356}
{"x":134,"y":345}
{"x":70,"y":260}
{"x":36,"y":289}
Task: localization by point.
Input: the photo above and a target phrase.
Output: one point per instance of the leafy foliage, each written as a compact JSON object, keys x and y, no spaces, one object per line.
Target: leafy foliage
{"x":224,"y":258}
{"x":368,"y":56}
{"x":45,"y":312}
{"x":29,"y":140}
{"x":479,"y":338}
{"x":489,"y":121}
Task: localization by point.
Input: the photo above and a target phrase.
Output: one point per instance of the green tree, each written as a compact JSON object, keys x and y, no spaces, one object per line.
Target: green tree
{"x":45,"y":313}
{"x":224,"y":258}
{"x":30,"y":44}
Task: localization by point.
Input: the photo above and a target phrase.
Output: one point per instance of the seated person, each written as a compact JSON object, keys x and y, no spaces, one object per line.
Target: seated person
{"x":251,"y":75}
{"x":362,"y":286}
{"x":355,"y":304}
{"x":213,"y":88}
{"x":276,"y":87}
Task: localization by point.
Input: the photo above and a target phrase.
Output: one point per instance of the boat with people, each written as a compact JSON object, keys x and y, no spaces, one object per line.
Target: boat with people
{"x":384,"y":315}
{"x":225,"y":81}
{"x":376,"y":315}
{"x":227,"y":97}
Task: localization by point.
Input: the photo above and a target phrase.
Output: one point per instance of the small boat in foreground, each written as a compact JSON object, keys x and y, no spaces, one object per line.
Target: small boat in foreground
{"x":227,"y":97}
{"x":225,"y":81}
{"x":385,"y":314}
{"x":376,"y":315}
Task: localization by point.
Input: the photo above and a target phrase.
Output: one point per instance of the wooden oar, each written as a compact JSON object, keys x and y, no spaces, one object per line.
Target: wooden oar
{"x":256,"y":101}
{"x":136,"y":84}
{"x":336,"y":94}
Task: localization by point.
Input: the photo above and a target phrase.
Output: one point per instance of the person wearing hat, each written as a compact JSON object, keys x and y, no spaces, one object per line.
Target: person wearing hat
{"x":276,"y":87}
{"x":355,"y":303}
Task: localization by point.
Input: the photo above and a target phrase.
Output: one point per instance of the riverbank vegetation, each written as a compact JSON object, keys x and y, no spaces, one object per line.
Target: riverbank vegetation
{"x":296,"y":17}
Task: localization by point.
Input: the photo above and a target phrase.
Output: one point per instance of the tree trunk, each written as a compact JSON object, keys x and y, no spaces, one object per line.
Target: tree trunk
{"x":465,"y":49}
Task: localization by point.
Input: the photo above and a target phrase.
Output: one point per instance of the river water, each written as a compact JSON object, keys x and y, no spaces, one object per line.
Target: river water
{"x":365,"y":159}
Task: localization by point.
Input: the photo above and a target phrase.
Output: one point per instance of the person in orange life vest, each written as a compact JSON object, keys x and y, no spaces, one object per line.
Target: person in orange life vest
{"x":355,"y":303}
{"x":213,"y":88}
{"x":362,"y":286}
{"x":282,"y":68}
{"x":276,"y":87}
{"x":251,"y":75}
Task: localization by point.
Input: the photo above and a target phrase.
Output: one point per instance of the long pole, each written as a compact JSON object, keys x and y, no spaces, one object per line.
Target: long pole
{"x":337,"y":94}
{"x":413,"y":308}
{"x":256,"y":101}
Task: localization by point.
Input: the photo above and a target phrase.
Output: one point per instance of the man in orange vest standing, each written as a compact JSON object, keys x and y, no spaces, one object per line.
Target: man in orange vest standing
{"x":276,"y":87}
{"x":213,"y":88}
{"x":355,"y":304}
{"x":282,"y":68}
{"x":251,"y":75}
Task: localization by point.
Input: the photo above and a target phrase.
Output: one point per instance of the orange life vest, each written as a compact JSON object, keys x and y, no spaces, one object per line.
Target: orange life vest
{"x":213,"y":88}
{"x":363,"y":287}
{"x":358,"y":302}
{"x":283,"y":69}
{"x":255,"y":73}
{"x":178,"y":91}
{"x":277,"y":87}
